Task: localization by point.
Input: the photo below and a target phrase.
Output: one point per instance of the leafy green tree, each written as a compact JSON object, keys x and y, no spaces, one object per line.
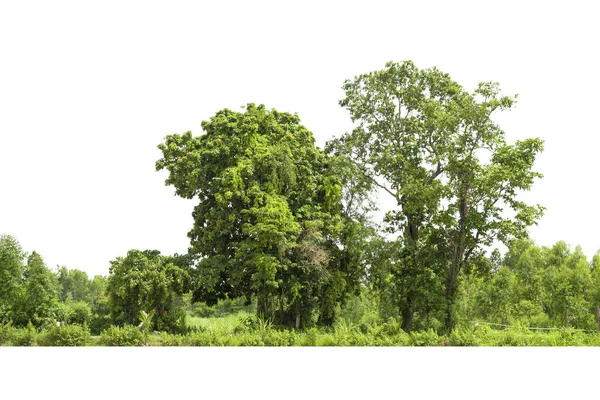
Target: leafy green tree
{"x":269,"y":217}
{"x":74,"y":285}
{"x":496,"y":300}
{"x":12,"y":267}
{"x":424,"y":140}
{"x":146,"y":280}
{"x":568,"y":282}
{"x":40,"y":293}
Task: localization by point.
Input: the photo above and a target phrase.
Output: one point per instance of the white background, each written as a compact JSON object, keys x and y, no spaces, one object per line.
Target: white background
{"x":89,"y":89}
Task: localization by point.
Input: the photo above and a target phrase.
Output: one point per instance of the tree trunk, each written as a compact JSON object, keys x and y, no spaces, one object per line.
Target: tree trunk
{"x":407,"y":320}
{"x":451,"y":288}
{"x":281,"y":307}
{"x":566,"y":318}
{"x":297,"y":314}
{"x":407,"y":315}
{"x":598,"y":318}
{"x":272,"y":308}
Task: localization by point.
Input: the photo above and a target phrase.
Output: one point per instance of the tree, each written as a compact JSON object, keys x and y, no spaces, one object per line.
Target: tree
{"x":423,"y":139}
{"x":40,"y":293}
{"x":146,"y":280}
{"x":568,"y":281}
{"x":74,"y":285}
{"x":268,"y":219}
{"x":12,"y":260}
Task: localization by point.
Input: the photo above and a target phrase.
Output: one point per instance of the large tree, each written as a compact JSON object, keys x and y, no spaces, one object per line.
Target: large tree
{"x":12,"y":267}
{"x":40,"y":292}
{"x":435,"y":149}
{"x":268,"y":220}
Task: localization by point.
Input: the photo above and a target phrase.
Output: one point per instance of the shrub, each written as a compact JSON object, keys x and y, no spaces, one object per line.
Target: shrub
{"x":81,"y":313}
{"x":66,"y":335}
{"x":167,"y":339}
{"x":127,"y":335}
{"x":6,"y":333}
{"x":27,"y":336}
{"x":464,"y":337}
{"x":99,"y":323}
{"x":279,"y":338}
{"x":425,"y":338}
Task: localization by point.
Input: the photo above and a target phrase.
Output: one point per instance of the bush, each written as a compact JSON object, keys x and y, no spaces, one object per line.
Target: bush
{"x":81,"y":313}
{"x":464,"y":337}
{"x":99,"y":323}
{"x":425,"y":338}
{"x":127,"y":335}
{"x":66,"y":335}
{"x":27,"y":336}
{"x":6,"y":333}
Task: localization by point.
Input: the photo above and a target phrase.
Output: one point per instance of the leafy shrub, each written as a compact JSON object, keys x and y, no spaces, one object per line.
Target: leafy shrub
{"x":464,"y":337}
{"x":309,"y":338}
{"x":99,"y":323}
{"x":425,"y":338}
{"x":27,"y":336}
{"x":81,"y":313}
{"x":279,"y":338}
{"x":167,"y":339}
{"x":66,"y":335}
{"x":63,"y":313}
{"x":6,"y":333}
{"x":127,"y":335}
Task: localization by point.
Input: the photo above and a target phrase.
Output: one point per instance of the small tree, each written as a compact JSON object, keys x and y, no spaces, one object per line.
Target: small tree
{"x":146,"y":324}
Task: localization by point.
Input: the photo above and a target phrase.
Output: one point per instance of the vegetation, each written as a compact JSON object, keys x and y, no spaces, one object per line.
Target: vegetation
{"x":284,"y":250}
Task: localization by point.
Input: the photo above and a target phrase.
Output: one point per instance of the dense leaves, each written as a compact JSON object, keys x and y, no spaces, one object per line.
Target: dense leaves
{"x":434,"y":148}
{"x":147,"y":281}
{"x":269,"y":214}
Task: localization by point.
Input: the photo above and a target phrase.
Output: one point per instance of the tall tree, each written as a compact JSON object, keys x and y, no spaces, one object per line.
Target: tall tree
{"x":12,"y":267}
{"x":40,"y":293}
{"x":268,"y":214}
{"x":74,"y":285}
{"x":424,"y":140}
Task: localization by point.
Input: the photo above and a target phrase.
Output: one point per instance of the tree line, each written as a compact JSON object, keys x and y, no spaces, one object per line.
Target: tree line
{"x":289,"y":227}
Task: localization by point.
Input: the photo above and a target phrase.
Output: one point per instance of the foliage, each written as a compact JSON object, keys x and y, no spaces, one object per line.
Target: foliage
{"x":40,"y":292}
{"x":66,"y":335}
{"x":146,"y":280}
{"x":127,"y":335}
{"x":424,"y":140}
{"x":74,"y":285}
{"x":268,"y":214}
{"x":12,"y":268}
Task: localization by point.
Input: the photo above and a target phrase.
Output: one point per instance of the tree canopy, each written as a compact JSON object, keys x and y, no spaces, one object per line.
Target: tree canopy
{"x":434,"y":147}
{"x":269,"y":214}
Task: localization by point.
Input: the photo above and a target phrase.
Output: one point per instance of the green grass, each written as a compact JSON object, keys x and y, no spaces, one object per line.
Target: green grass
{"x":222,"y":325}
{"x":243,"y":329}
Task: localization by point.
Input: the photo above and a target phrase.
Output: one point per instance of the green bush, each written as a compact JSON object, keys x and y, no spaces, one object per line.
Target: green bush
{"x":425,"y":338}
{"x":167,"y":339}
{"x":127,"y":335}
{"x":81,"y":313}
{"x":99,"y":323}
{"x":27,"y":336}
{"x":274,"y":337}
{"x":6,"y":334}
{"x":66,"y":335}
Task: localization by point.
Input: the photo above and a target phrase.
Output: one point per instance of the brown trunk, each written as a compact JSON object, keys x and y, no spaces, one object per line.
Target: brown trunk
{"x":281,"y":308}
{"x":407,"y":320}
{"x":272,"y":308}
{"x":567,"y":319}
{"x":297,"y":315}
{"x":598,"y":318}
{"x":451,"y":286}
